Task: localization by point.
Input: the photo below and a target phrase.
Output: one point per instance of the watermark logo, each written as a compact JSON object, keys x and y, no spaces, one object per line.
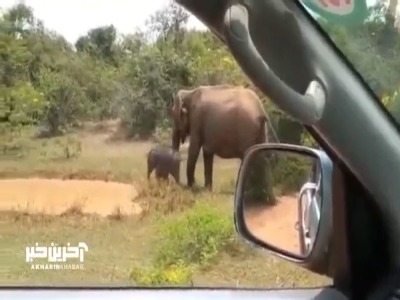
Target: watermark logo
{"x":56,"y":256}
{"x":340,"y":7}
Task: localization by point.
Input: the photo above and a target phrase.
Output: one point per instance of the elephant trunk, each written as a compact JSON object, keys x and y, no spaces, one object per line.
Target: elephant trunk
{"x":176,"y":139}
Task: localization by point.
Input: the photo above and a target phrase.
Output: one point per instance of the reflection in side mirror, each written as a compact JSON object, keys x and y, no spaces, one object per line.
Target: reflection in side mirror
{"x":281,"y":197}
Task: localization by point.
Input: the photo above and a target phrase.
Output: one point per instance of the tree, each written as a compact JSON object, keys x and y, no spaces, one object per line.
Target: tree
{"x":133,"y":77}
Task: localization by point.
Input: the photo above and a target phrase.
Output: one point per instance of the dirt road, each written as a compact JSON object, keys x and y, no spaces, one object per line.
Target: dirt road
{"x":276,"y":224}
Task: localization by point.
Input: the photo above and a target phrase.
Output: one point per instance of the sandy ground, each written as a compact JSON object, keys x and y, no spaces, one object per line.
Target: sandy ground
{"x":276,"y":225}
{"x":54,"y":196}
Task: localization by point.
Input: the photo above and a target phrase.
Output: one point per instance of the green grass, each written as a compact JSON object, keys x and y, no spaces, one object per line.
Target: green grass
{"x":120,"y":244}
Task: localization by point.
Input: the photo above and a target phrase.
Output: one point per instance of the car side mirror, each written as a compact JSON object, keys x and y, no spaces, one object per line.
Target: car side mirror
{"x":283,"y":203}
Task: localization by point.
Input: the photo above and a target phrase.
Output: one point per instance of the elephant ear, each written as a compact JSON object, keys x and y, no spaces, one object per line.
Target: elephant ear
{"x":178,"y":110}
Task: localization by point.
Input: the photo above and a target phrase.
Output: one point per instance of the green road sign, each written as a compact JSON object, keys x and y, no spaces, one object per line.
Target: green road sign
{"x":343,"y":12}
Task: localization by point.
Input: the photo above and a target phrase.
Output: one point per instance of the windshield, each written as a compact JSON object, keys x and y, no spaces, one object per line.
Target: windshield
{"x":367,"y":32}
{"x":85,"y":108}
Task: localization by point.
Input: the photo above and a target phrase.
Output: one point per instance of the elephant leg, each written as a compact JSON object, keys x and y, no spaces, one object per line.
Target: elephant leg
{"x":193,"y":155}
{"x":176,"y":174}
{"x":158,"y":174}
{"x":208,"y":169}
{"x":150,"y":169}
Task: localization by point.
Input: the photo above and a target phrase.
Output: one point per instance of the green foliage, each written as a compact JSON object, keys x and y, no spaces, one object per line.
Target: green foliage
{"x":64,"y":100}
{"x":194,"y":238}
{"x":378,"y":41}
{"x":392,"y":103}
{"x":187,"y":242}
{"x":289,"y":172}
{"x":308,"y":140}
{"x":99,"y":43}
{"x":132,"y":78}
{"x":21,"y":104}
{"x":271,"y":174}
{"x":176,"y":274}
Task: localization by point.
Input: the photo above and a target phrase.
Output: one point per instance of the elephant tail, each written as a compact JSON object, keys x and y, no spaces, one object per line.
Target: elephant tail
{"x":263,"y":136}
{"x":267,"y":128}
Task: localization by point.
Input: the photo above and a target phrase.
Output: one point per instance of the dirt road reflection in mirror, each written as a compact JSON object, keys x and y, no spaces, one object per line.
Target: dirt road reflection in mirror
{"x":276,"y":224}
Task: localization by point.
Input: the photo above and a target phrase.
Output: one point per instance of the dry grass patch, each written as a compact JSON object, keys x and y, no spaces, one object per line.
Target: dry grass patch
{"x":162,"y":197}
{"x":76,"y":209}
{"x":117,"y":214}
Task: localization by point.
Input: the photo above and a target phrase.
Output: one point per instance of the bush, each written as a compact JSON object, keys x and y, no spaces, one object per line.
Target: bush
{"x":195,"y":237}
{"x":282,"y":174}
{"x":183,"y":244}
{"x":177,"y":274}
{"x":66,"y":102}
{"x":289,"y":173}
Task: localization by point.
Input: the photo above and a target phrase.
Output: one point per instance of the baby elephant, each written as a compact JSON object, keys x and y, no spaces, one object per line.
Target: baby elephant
{"x":165,"y":161}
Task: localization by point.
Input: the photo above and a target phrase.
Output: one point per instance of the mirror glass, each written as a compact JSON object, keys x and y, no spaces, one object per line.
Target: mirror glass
{"x":281,"y":199}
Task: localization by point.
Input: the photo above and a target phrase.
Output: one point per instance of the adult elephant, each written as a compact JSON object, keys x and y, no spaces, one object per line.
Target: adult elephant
{"x":223,"y":120}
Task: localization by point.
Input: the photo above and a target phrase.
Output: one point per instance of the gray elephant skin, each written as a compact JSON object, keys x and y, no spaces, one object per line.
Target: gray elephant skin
{"x":222,"y":120}
{"x":165,"y":161}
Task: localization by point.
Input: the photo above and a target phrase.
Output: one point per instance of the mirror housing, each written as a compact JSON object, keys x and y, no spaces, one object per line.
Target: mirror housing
{"x":317,"y":259}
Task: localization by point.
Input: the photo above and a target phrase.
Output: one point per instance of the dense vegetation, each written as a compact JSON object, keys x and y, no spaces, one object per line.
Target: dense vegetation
{"x":44,"y":80}
{"x":47,"y":81}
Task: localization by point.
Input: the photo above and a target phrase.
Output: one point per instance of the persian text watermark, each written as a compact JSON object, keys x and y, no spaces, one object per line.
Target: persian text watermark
{"x":56,"y":257}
